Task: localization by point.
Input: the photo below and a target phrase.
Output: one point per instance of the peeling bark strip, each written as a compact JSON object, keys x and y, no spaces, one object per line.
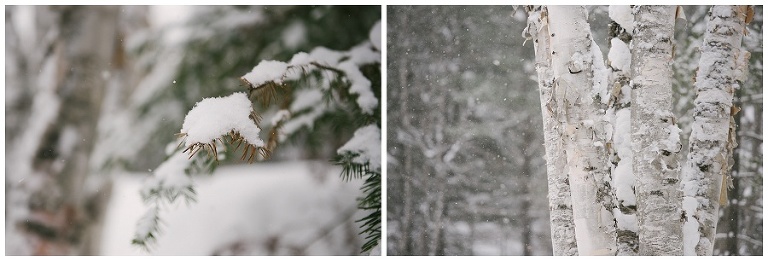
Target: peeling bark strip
{"x":560,"y":209}
{"x":710,"y":143}
{"x":655,"y":136}
{"x":578,"y":98}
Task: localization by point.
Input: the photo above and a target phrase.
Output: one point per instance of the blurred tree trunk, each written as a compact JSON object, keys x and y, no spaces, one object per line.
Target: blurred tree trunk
{"x":55,"y":209}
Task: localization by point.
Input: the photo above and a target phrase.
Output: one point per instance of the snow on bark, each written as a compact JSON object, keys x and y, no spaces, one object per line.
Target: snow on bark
{"x":655,"y":135}
{"x":560,"y":204}
{"x":619,"y":115}
{"x":710,"y":140}
{"x":578,"y":89}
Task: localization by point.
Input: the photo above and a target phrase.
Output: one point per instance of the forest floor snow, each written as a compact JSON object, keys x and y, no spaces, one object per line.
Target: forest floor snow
{"x":259,"y":209}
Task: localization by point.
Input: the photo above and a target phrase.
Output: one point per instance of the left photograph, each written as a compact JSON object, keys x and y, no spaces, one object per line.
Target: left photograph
{"x":193,"y":130}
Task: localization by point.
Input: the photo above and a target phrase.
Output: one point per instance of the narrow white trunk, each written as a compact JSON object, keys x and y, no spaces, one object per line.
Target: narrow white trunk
{"x":580,"y":97}
{"x":655,"y":136}
{"x":707,"y":165}
{"x":560,"y":206}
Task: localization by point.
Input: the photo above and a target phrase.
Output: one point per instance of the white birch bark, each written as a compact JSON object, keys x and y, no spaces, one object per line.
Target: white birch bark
{"x":655,"y":136}
{"x":560,"y":206}
{"x":580,"y":97}
{"x":619,"y":112}
{"x":710,"y":146}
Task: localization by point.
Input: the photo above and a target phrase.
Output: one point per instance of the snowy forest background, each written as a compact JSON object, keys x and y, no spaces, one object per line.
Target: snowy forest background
{"x":466,"y":174}
{"x":94,"y":96}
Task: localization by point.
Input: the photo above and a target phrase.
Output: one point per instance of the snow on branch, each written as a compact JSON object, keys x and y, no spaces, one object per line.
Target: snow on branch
{"x":366,"y":146}
{"x":215,"y":118}
{"x":268,"y":75}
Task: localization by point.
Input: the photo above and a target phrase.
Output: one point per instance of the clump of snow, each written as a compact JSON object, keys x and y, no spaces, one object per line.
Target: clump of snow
{"x":375,"y":35}
{"x":366,"y":143}
{"x":363,"y":54}
{"x":300,"y":58}
{"x":294,"y":35}
{"x":306,"y":98}
{"x":619,"y":55}
{"x":622,"y":14}
{"x":266,"y":71}
{"x":280,"y":115}
{"x":360,"y":86}
{"x":305,"y":119}
{"x":212,"y":118}
{"x":325,"y":56}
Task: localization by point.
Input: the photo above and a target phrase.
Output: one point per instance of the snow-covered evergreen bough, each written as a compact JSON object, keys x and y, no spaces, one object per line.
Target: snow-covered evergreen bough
{"x":313,"y":84}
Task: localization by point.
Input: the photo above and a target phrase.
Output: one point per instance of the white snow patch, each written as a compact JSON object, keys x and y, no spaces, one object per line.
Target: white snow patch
{"x":622,"y":14}
{"x":619,"y":55}
{"x":375,"y":35}
{"x":326,"y":56}
{"x":266,"y":71}
{"x":213,"y":117}
{"x":280,"y":115}
{"x":306,"y":98}
{"x":367,"y":144}
{"x":360,"y":86}
{"x":249,"y":203}
{"x":691,"y":227}
{"x":294,"y":35}
{"x":300,"y":58}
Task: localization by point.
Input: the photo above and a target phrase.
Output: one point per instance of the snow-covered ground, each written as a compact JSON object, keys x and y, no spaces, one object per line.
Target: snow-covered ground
{"x":258,"y":209}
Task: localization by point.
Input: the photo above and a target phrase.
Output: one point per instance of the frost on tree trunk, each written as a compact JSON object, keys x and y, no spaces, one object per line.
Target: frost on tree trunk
{"x":51,"y":209}
{"x":655,"y":135}
{"x":619,"y":112}
{"x":560,"y":205}
{"x":720,"y":73}
{"x":579,"y":93}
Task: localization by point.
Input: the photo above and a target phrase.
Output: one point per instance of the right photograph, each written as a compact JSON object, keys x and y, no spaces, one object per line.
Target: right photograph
{"x":574,"y":130}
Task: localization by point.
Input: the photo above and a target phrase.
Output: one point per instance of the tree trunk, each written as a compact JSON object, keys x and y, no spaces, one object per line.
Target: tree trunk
{"x":55,"y":212}
{"x":574,"y":67}
{"x":560,"y":205}
{"x":655,"y":136}
{"x":712,"y":134}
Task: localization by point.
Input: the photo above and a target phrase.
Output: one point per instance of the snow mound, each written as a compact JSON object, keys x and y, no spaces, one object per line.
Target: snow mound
{"x":212,"y":118}
{"x":288,"y":203}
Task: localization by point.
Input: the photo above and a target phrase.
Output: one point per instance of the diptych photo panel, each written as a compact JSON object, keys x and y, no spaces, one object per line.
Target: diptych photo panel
{"x":574,"y":130}
{"x":394,"y":130}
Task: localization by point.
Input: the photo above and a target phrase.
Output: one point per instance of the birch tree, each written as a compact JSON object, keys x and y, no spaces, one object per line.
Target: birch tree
{"x":721,"y":71}
{"x":655,"y":136}
{"x":576,"y":67}
{"x":560,"y":205}
{"x":618,"y":137}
